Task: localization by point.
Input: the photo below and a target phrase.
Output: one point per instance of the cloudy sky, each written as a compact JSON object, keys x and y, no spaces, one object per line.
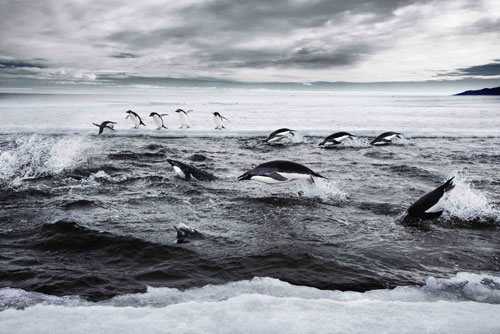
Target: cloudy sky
{"x":149,"y":42}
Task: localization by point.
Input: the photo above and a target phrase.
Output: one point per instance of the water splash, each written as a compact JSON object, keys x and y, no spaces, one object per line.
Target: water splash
{"x":356,"y":142}
{"x":403,"y":141}
{"x":325,"y":190}
{"x":38,"y":156}
{"x":467,"y":204}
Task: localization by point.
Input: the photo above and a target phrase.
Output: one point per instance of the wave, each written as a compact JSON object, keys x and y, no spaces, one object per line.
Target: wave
{"x":35,"y":156}
{"x":465,"y":303}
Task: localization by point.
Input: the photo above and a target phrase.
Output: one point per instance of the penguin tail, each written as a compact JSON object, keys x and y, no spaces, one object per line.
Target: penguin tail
{"x":449,"y":185}
{"x":319,"y":175}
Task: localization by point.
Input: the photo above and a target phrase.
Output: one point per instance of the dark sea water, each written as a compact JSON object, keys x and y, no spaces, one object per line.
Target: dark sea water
{"x":88,"y":220}
{"x":100,"y":223}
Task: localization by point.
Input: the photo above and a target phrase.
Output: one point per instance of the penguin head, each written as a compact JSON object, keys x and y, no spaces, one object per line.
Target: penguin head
{"x":245,"y":176}
{"x":129,"y":111}
{"x":216,"y":114}
{"x":179,"y":110}
{"x":152,"y":114}
{"x":180,"y":235}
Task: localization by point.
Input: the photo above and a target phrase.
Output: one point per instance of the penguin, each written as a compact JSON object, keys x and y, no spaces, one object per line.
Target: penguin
{"x":185,"y":232}
{"x":385,"y":138}
{"x":279,"y":134}
{"x":184,"y":118}
{"x":185,"y":172}
{"x":279,"y":171}
{"x":135,"y":118}
{"x":218,"y":118}
{"x":105,"y":125}
{"x":157,"y":118}
{"x":335,"y":139}
{"x":429,"y":205}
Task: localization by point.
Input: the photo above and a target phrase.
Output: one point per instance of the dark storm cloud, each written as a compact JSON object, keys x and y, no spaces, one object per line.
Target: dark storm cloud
{"x":18,"y":63}
{"x":124,"y":55}
{"x":312,"y":58}
{"x":129,"y":42}
{"x":487,"y":70}
{"x":213,"y":28}
{"x":282,"y":14}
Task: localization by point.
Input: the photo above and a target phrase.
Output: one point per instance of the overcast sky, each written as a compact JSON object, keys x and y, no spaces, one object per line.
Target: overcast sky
{"x":146,"y":42}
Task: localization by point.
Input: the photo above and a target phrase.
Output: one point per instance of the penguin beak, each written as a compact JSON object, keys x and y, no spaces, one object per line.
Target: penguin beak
{"x":244,"y":177}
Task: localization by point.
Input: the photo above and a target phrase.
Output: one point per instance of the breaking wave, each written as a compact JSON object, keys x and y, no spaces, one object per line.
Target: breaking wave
{"x":37,"y":156}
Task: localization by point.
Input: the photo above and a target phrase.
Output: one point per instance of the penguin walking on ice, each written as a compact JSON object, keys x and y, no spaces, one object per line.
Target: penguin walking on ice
{"x":157,"y":118}
{"x":135,"y":118}
{"x":184,"y":118}
{"x":218,"y":120}
{"x":105,"y":125}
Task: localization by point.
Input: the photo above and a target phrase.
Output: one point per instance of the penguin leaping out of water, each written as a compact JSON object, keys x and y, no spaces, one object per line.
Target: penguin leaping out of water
{"x":280,"y":171}
{"x":385,"y":138}
{"x":135,"y":118}
{"x":430,"y":206}
{"x":218,"y":119}
{"x":157,"y":118}
{"x":279,"y":135}
{"x":184,"y":118}
{"x":105,"y":125}
{"x":335,"y":139}
{"x":185,"y":232}
{"x":185,"y":171}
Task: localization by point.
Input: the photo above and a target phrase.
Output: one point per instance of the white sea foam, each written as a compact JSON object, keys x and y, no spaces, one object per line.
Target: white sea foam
{"x":325,"y":190}
{"x":403,"y":140}
{"x":36,"y":155}
{"x":355,"y":142}
{"x":465,"y":303}
{"x":467,"y":204}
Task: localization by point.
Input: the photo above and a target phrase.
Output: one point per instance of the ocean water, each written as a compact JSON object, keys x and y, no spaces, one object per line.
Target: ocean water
{"x":87,"y":221}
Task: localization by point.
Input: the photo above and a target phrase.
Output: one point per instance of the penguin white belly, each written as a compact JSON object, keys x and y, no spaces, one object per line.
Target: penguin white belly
{"x":340,"y":139}
{"x":179,"y":172}
{"x":436,"y":207}
{"x":267,"y":179}
{"x":135,"y":120}
{"x":218,"y":122}
{"x":184,"y":118}
{"x":391,"y":137}
{"x":276,"y":138}
{"x":158,"y":122}
{"x":295,"y":176}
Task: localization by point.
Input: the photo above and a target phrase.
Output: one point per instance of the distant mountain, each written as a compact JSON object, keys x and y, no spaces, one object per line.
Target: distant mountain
{"x":484,"y":91}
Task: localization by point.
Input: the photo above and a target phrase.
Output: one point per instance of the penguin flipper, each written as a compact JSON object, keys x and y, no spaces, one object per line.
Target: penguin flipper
{"x":277,"y":176}
{"x":202,"y":175}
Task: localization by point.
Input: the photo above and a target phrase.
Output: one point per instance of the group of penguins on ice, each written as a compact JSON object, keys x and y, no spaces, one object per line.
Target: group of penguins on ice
{"x":428,"y":206}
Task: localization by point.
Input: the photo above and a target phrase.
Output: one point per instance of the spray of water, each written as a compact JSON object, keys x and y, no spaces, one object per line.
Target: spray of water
{"x":36,"y":156}
{"x":467,"y":204}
